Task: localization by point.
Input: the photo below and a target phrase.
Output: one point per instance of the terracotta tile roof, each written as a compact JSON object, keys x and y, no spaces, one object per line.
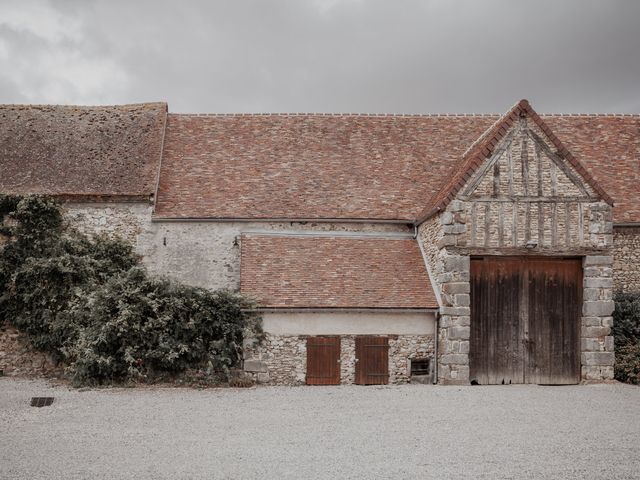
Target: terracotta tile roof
{"x":81,"y":151}
{"x":303,"y":166}
{"x":609,"y":147}
{"x":483,"y":148}
{"x":308,"y":166}
{"x":313,"y":166}
{"x":334,"y":272}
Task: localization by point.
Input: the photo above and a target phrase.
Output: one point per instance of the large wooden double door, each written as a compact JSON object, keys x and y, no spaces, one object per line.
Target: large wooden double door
{"x":525,"y":320}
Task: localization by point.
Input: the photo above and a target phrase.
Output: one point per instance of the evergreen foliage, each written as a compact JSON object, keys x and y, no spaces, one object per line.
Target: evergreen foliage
{"x":626,"y":332}
{"x":90,"y":304}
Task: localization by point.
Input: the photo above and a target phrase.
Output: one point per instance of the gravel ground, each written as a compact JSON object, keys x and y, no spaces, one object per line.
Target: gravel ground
{"x":410,"y":431}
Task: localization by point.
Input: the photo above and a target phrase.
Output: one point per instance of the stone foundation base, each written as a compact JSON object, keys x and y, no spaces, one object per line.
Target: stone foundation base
{"x":597,"y":374}
{"x":19,"y":358}
{"x":282,"y":359}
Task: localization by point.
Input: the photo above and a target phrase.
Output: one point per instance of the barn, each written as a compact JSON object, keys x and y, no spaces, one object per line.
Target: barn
{"x":451,"y":249}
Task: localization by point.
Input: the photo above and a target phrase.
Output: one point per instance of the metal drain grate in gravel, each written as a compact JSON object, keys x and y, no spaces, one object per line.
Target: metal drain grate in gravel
{"x":41,"y":401}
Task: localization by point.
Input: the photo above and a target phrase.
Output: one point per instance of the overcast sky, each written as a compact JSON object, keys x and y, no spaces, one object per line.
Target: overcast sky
{"x":428,"y":56}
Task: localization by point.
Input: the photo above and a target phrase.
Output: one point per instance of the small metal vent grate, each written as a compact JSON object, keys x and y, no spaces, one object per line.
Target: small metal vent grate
{"x":41,"y":401}
{"x":420,"y":366}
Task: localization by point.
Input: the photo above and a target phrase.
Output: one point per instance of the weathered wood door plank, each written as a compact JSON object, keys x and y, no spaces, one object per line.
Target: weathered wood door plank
{"x":525,"y":320}
{"x":323,"y":361}
{"x":372,"y":360}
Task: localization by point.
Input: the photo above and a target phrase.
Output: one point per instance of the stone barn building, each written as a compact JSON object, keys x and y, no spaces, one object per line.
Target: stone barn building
{"x":452,"y":249}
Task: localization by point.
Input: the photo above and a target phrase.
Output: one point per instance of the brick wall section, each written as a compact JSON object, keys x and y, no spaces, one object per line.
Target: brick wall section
{"x":281,"y":359}
{"x":626,"y":259}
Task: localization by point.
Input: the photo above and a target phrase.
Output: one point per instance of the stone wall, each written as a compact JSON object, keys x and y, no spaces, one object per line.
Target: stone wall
{"x":19,"y":358}
{"x":450,"y":271}
{"x":626,"y":259}
{"x":277,"y":359}
{"x":202,"y":254}
{"x":281,"y":359}
{"x":597,"y":347}
{"x":207,"y":254}
{"x":403,"y":349}
{"x":127,"y":220}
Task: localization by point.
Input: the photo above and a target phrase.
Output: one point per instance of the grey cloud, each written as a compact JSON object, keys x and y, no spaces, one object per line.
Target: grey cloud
{"x":341,"y":56}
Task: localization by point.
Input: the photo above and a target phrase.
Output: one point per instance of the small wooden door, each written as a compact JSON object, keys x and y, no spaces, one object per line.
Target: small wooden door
{"x":525,"y":320}
{"x":372,"y":360}
{"x":323,"y":361}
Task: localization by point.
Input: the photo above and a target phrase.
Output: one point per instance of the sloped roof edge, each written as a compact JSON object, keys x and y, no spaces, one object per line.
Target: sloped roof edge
{"x":483,"y":148}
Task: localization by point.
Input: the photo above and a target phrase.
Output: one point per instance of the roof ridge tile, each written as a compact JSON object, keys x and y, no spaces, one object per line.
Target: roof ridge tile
{"x":324,"y":114}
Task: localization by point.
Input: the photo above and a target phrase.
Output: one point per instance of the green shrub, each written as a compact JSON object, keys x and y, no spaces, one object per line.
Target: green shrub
{"x":89,"y":303}
{"x":626,"y":332}
{"x":137,"y":326}
{"x":627,"y":368}
{"x":44,"y":267}
{"x":626,"y":318}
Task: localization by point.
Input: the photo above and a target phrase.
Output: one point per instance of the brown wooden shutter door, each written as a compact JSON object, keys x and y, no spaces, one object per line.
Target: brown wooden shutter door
{"x":372,"y":360}
{"x":323,"y":361}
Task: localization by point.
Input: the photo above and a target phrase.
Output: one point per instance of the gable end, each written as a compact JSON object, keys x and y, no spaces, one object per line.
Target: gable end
{"x":493,"y":141}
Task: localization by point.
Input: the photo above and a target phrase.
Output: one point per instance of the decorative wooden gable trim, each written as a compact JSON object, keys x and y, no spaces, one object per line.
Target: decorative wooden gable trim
{"x":494,"y":142}
{"x":517,"y":169}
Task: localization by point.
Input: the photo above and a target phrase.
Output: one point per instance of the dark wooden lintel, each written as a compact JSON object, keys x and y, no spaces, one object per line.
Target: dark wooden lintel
{"x":524,"y":199}
{"x":538,"y":251}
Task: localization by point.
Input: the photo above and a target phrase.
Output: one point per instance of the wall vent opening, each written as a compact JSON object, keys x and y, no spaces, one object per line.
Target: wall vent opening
{"x":420,"y":366}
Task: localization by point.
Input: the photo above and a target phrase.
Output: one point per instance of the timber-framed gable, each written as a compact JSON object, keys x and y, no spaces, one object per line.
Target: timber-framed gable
{"x":518,"y":192}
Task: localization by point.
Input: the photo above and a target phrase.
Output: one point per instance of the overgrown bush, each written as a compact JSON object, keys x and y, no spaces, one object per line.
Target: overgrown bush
{"x":89,"y":303}
{"x":626,"y":332}
{"x":136,"y":324}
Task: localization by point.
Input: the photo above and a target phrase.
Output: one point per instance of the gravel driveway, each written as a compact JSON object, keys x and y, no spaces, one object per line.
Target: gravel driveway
{"x":410,"y":431}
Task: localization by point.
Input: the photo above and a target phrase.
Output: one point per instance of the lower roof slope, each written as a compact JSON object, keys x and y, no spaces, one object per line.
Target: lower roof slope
{"x":81,"y":151}
{"x":334,"y":272}
{"x":359,"y":166}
